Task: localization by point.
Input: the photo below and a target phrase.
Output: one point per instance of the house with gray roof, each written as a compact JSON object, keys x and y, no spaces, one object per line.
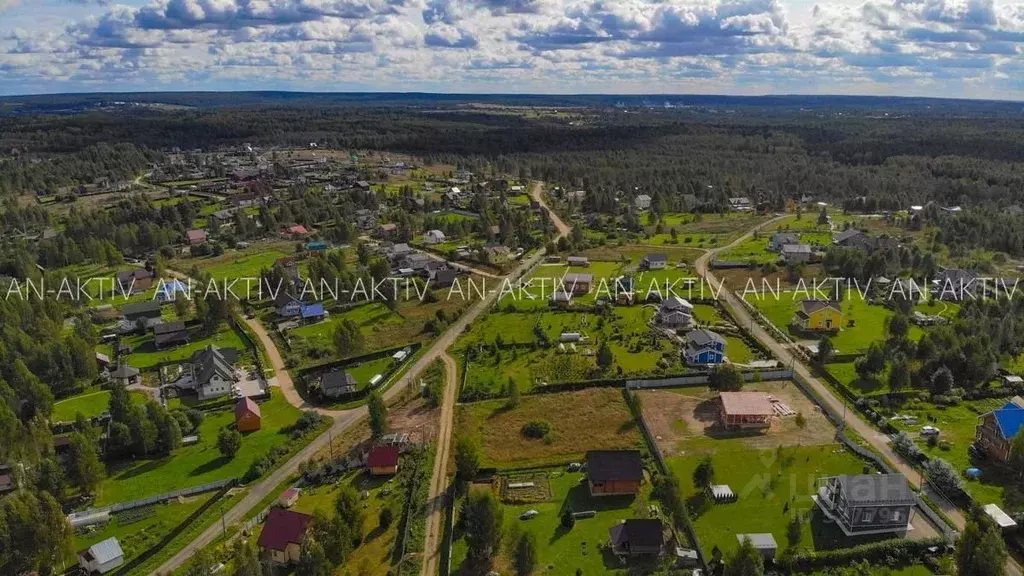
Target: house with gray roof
{"x":101,"y":557}
{"x":213,"y":372}
{"x":867,"y":503}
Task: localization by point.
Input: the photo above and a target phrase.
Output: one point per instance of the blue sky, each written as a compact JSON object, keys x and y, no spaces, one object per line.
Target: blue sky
{"x":954,"y":48}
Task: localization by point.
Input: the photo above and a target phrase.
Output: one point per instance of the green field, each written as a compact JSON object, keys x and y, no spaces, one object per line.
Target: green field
{"x":562,"y":551}
{"x":772,"y":486}
{"x":202,"y":462}
{"x":90,"y":404}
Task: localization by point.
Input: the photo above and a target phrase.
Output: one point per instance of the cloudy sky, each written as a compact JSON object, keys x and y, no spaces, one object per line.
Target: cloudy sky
{"x":958,"y":48}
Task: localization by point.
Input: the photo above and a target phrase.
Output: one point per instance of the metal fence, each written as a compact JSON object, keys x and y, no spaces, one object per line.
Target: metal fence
{"x":700,"y":379}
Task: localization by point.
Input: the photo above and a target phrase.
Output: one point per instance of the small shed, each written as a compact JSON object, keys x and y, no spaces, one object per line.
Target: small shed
{"x":247,"y":415}
{"x":289,"y":497}
{"x":383,"y":460}
{"x":1006,"y":524}
{"x":764,"y":542}
{"x":101,"y":557}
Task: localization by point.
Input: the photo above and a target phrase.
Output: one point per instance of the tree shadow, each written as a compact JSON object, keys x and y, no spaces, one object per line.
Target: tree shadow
{"x":209,"y":466}
{"x":134,"y":471}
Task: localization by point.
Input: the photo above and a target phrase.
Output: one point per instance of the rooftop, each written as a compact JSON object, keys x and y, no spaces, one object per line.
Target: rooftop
{"x":747,"y":403}
{"x":876,"y":489}
{"x":283,"y":527}
{"x":605,"y":465}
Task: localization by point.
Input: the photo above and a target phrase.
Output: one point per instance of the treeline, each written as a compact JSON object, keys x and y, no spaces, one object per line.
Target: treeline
{"x":73,"y":167}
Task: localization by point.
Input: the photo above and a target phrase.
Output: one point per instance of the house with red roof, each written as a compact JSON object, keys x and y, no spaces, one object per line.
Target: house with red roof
{"x":282,"y":535}
{"x":297,"y":230}
{"x":196,"y":237}
{"x":383,"y":460}
{"x":247,"y":415}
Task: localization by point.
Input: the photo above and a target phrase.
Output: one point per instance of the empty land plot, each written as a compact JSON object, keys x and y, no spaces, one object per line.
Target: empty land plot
{"x":593,"y":419}
{"x":634,"y":253}
{"x":90,"y":404}
{"x":685,"y":420}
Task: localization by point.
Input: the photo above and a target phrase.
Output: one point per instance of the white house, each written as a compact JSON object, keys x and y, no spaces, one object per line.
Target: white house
{"x":642,"y":202}
{"x":675,"y":312}
{"x":213,"y":372}
{"x":434,"y":237}
{"x":101,"y":557}
{"x":654,"y":261}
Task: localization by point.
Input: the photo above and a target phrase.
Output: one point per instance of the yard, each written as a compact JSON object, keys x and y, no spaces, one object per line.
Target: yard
{"x":592,"y":419}
{"x":685,"y":421}
{"x":90,"y":404}
{"x":957,"y":425}
{"x":140,"y":529}
{"x":868,"y":320}
{"x":376,"y":550}
{"x":774,"y":487}
{"x":559,"y":550}
{"x":202,"y":462}
{"x":245,"y":263}
{"x":145,"y":354}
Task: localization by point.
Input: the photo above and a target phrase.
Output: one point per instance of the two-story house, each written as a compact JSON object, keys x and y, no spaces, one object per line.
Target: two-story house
{"x":213,"y":373}
{"x":654,"y":262}
{"x":997,"y":428}
{"x":819,"y":315}
{"x":780,"y":239}
{"x":867,"y":503}
{"x":282,"y":535}
{"x":704,"y":347}
{"x":675,"y":312}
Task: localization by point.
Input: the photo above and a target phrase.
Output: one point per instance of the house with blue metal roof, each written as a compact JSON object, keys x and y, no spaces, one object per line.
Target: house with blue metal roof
{"x":313,"y":313}
{"x":997,"y":428}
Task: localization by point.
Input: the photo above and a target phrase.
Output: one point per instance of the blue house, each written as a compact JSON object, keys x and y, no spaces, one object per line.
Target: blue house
{"x":316,"y":246}
{"x":704,"y":347}
{"x":168,"y":292}
{"x":313,"y":313}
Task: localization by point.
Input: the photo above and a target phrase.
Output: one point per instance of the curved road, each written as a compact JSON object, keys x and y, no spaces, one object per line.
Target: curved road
{"x":877,"y":440}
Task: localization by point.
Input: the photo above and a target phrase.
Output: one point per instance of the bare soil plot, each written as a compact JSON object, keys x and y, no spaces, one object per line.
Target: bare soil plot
{"x":685,"y":420}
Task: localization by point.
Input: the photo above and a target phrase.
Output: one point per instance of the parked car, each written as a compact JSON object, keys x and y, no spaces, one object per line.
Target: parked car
{"x":528,"y":514}
{"x":929,"y":431}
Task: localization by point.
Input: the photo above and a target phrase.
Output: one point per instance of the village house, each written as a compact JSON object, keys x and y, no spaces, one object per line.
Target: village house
{"x":497,"y":253}
{"x":148,"y":310}
{"x":247,"y":415}
{"x":7,"y":479}
{"x":196,"y":237}
{"x":614,"y":472}
{"x":101,"y":557}
{"x":383,"y":461}
{"x":312,"y":313}
{"x":337,"y":383}
{"x":168,"y":291}
{"x":853,"y":238}
{"x":796,"y":252}
{"x":818,"y":315}
{"x":642,"y":202}
{"x":169,"y":334}
{"x":704,"y":347}
{"x":443,"y":278}
{"x":135,"y":281}
{"x":675,"y":312}
{"x":434,"y":237}
{"x":745,"y":410}
{"x":780,"y":239}
{"x":581,"y":261}
{"x":561,"y":298}
{"x":996,"y":429}
{"x":296,"y":231}
{"x":282,"y":535}
{"x":577,"y":283}
{"x":287,"y":306}
{"x":763,"y":542}
{"x":224,"y":217}
{"x":741,"y":203}
{"x":654,"y":262}
{"x":867,"y":503}
{"x":125,"y":375}
{"x":365,"y":219}
{"x":212,"y":372}
{"x":637,"y":537}
{"x":387,"y":231}
{"x":956,"y":284}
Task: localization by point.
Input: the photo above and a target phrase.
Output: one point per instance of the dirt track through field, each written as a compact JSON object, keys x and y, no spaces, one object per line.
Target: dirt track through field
{"x":439,"y":480}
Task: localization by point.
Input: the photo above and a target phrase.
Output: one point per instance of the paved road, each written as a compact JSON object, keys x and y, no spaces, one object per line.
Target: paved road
{"x":878,"y":440}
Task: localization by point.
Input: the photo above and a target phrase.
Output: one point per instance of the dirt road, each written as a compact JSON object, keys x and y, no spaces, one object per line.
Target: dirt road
{"x":877,"y":440}
{"x":346,"y":418}
{"x":439,"y":480}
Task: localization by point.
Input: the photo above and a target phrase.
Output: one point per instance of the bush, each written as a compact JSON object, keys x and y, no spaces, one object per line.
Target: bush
{"x":536,"y":429}
{"x":901,"y":552}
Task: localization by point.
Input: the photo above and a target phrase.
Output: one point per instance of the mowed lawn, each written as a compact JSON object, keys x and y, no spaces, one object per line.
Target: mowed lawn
{"x":202,"y":462}
{"x":869,"y":320}
{"x":90,"y":404}
{"x":561,"y":551}
{"x":247,"y":263}
{"x":593,"y":419}
{"x":146,"y":355}
{"x":772,"y":486}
